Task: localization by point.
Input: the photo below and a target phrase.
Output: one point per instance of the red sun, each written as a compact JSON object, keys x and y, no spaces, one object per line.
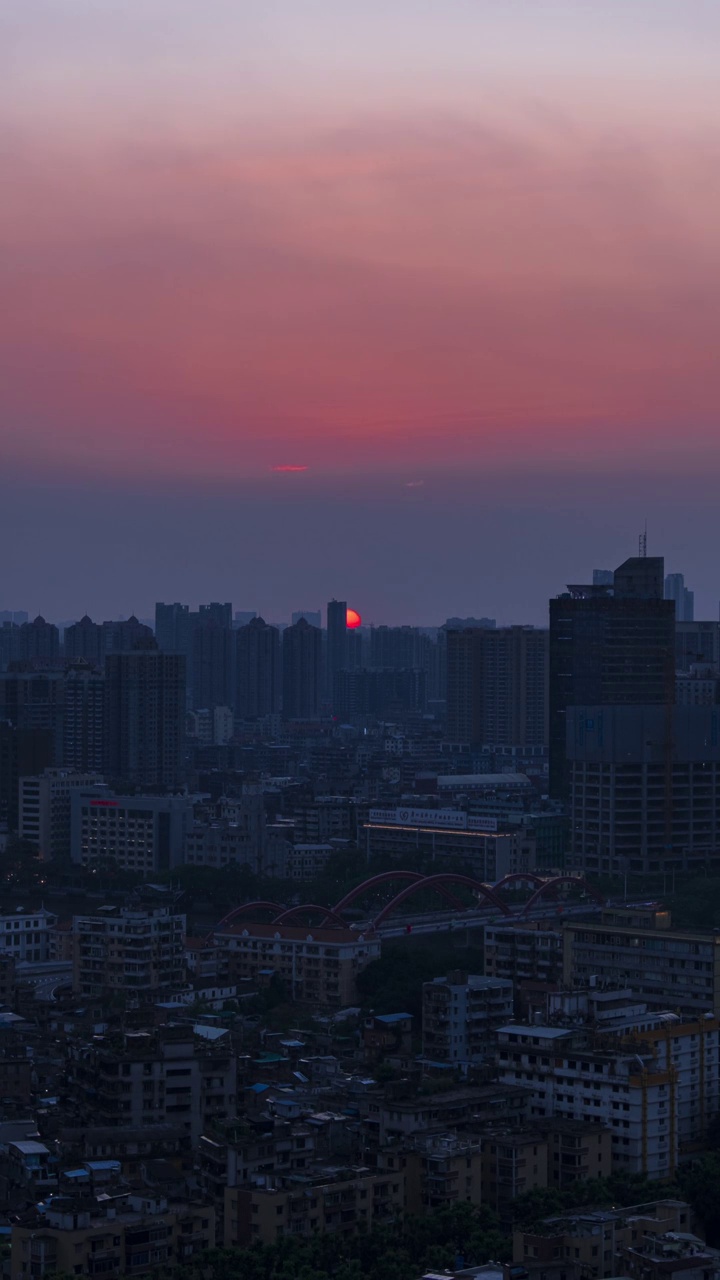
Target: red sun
{"x":352,"y":619}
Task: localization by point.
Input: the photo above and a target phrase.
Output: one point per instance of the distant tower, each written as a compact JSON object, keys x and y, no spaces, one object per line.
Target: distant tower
{"x":336,"y":641}
{"x":258,"y":670}
{"x":145,"y":717}
{"x":676,"y":590}
{"x":642,"y":543}
{"x":301,"y":660}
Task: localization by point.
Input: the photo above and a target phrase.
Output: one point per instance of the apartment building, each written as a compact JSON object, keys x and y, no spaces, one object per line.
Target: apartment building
{"x":460,"y":1014}
{"x":594,"y":1239}
{"x":524,"y":953}
{"x":439,"y":1169}
{"x":118,"y":1235}
{"x":28,"y":936}
{"x":651,"y":1079}
{"x":317,"y":965}
{"x":170,"y":1076}
{"x":323,"y":1201}
{"x":669,"y":968}
{"x":129,"y":952}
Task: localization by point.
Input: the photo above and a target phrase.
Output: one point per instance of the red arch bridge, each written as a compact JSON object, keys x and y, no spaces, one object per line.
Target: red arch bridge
{"x":461,"y":899}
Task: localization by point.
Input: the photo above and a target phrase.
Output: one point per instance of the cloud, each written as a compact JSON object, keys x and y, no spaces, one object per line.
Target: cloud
{"x":471,"y":292}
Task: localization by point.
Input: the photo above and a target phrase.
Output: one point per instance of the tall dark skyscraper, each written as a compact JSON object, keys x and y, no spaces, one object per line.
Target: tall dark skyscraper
{"x":609,"y":646}
{"x":497,"y":686}
{"x":172,"y":627}
{"x":145,"y":717}
{"x":35,"y":700}
{"x":213,"y":663}
{"x":302,"y":666}
{"x":336,"y":650}
{"x":257,"y":674}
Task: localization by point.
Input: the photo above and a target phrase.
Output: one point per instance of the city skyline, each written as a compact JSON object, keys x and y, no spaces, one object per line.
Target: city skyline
{"x":414,"y":300}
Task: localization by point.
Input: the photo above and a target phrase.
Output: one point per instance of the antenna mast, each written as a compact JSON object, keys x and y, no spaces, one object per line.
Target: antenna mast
{"x":642,"y":541}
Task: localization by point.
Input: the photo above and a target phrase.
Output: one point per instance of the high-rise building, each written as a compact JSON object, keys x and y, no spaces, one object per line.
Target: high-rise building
{"x":241,"y":617}
{"x":644,"y":783}
{"x":609,"y":646}
{"x":336,"y":652}
{"x":32,"y":700}
{"x":697,"y":643}
{"x":127,"y":634}
{"x":257,"y":679}
{"x":172,"y":627}
{"x":497,"y":683}
{"x":84,"y":719}
{"x":398,"y":647}
{"x":145,"y":717}
{"x":302,"y":664}
{"x":213,"y":663}
{"x":39,"y":641}
{"x":23,"y":752}
{"x":676,"y":590}
{"x":44,"y":817}
{"x":85,"y":639}
{"x":313,"y":616}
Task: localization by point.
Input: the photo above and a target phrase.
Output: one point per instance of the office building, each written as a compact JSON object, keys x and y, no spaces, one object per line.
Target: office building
{"x":138,"y":833}
{"x":497,"y":687}
{"x":609,"y":646}
{"x":302,"y":666}
{"x":446,"y":836}
{"x":258,"y":675}
{"x":644,"y":788}
{"x":44,"y":804}
{"x":137,"y":953}
{"x":460,"y":1013}
{"x":145,"y":718}
{"x":684,"y":599}
{"x":84,"y":719}
{"x":698,"y":687}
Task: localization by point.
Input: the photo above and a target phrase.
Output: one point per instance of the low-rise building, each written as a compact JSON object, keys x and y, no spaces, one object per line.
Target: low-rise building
{"x":329,"y":1200}
{"x":128,"y":952}
{"x":113,"y":1235}
{"x":316,"y":965}
{"x":595,"y":1238}
{"x":28,"y":937}
{"x":402,"y":834}
{"x":460,"y":1014}
{"x":170,"y":1076}
{"x":669,"y":968}
{"x":439,"y":1169}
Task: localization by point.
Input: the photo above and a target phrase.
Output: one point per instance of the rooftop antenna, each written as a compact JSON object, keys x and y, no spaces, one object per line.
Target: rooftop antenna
{"x":642,"y":543}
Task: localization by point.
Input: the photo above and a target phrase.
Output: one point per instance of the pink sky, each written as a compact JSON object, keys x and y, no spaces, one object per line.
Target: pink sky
{"x":387,"y":239}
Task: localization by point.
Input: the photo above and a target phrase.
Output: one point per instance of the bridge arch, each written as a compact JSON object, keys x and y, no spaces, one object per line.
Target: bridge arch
{"x":245,"y":909}
{"x":437,"y":882}
{"x":521,"y":877}
{"x":286,"y":916}
{"x":579,"y":881}
{"x":385,"y":877}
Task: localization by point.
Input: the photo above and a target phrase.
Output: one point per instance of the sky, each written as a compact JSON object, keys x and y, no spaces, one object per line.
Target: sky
{"x":409,"y":302}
